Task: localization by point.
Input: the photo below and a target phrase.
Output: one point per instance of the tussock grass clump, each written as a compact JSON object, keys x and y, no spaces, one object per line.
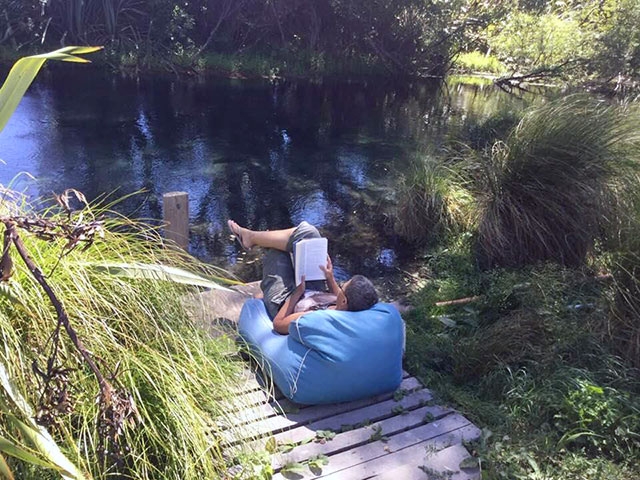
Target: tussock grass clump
{"x":621,"y":328}
{"x":557,"y":180}
{"x":433,"y":202}
{"x":140,"y":335}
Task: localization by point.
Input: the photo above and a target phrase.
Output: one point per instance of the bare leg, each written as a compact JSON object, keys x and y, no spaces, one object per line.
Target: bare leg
{"x":276,"y":239}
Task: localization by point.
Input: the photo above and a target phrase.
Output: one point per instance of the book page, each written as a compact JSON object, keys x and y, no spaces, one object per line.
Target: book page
{"x":310,"y":254}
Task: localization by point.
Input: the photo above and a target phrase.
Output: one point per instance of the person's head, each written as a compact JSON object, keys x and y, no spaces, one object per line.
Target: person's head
{"x":357,"y":294}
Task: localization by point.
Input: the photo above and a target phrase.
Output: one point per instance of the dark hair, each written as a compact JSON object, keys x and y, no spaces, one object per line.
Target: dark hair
{"x":360,"y":293}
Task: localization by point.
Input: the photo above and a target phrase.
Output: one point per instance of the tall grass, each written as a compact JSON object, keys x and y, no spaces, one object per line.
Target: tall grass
{"x":479,"y":62}
{"x":141,"y":336}
{"x":621,"y":327}
{"x":528,"y":363}
{"x":432,"y":202}
{"x":560,"y":177}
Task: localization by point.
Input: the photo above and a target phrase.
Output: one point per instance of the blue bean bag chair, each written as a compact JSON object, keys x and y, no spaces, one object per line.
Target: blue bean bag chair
{"x":329,"y":356}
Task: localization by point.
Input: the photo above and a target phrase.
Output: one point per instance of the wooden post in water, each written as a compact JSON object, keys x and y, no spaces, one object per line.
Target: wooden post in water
{"x":175,"y":207}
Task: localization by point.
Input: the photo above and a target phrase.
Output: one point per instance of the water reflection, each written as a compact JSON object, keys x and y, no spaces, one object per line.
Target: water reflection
{"x":268,"y":155}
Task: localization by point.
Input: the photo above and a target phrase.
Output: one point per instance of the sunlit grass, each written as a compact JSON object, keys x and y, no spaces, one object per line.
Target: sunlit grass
{"x":432,"y":202}
{"x":478,"y":62}
{"x":286,"y":64}
{"x":140,"y":334}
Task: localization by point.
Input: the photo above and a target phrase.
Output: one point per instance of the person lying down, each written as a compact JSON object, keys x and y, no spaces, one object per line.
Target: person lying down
{"x":284,"y":301}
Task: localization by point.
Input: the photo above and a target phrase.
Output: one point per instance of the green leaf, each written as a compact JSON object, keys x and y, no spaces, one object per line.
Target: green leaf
{"x":7,"y":291}
{"x":5,"y":471}
{"x":324,"y":435}
{"x":158,"y":272}
{"x":270,"y":446}
{"x":446,"y":321}
{"x":25,"y":70}
{"x":24,"y":454}
{"x":51,"y":456}
{"x":294,"y":468}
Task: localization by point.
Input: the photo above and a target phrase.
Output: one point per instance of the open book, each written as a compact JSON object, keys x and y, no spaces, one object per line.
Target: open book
{"x":309,"y":255}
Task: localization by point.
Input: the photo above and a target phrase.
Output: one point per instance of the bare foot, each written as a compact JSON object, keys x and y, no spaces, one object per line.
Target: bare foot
{"x":243,"y":235}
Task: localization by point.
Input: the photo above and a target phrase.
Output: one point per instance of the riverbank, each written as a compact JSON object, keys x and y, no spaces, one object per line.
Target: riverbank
{"x":518,"y":351}
{"x":273,"y":65}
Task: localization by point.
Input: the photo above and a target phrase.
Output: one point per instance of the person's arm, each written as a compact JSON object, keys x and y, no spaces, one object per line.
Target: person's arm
{"x":328,"y":275}
{"x":285,"y":315}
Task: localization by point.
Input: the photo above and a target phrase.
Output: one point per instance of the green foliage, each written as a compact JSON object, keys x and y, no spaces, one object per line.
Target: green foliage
{"x":403,"y":38}
{"x":408,"y":37}
{"x":25,"y":70}
{"x":142,"y":334}
{"x":592,"y":416}
{"x":619,"y":52}
{"x":550,"y":188}
{"x":534,"y":358}
{"x":622,"y":325}
{"x":528,"y":40}
{"x":38,"y":447}
{"x":532,"y":368}
{"x":478,"y":62}
{"x":433,"y":202}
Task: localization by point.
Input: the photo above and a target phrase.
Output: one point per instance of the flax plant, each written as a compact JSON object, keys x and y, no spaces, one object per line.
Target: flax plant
{"x":139,"y":332}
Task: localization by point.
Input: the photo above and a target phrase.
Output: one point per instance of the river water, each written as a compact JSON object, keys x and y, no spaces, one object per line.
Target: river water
{"x":267,"y":154}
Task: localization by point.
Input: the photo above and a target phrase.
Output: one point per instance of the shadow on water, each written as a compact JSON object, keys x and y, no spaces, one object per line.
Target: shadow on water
{"x":265,"y":154}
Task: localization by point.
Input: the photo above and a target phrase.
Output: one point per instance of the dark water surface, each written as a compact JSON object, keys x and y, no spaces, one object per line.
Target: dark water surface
{"x":265,"y":154}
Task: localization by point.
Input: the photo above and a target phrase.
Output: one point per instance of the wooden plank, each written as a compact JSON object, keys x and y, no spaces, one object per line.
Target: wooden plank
{"x":246,"y":401}
{"x":443,"y":464}
{"x":368,"y":415}
{"x":299,"y":414}
{"x":354,"y":438}
{"x":254,"y":381}
{"x":334,"y":416}
{"x":433,"y":436}
{"x":175,"y":207}
{"x":245,"y":382}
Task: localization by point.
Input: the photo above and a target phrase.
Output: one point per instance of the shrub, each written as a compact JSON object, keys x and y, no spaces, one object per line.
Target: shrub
{"x":432,"y":202}
{"x":548,"y":190}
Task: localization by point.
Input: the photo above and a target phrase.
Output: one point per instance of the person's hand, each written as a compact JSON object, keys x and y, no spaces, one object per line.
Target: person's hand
{"x":327,"y":269}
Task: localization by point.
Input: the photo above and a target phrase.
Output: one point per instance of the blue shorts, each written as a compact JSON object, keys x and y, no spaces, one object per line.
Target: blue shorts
{"x":278,"y":279}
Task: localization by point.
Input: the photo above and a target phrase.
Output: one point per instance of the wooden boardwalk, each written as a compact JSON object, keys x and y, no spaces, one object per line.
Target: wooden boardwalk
{"x":400,"y":436}
{"x":397,"y":436}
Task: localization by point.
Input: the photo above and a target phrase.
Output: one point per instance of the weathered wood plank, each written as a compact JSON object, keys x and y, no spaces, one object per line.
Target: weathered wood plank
{"x":206,"y":308}
{"x":332,"y":418}
{"x":251,"y":381}
{"x":366,"y":415}
{"x":252,"y":398}
{"x":354,"y":438}
{"x":442,"y":464}
{"x":433,"y":436}
{"x":300,"y":414}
